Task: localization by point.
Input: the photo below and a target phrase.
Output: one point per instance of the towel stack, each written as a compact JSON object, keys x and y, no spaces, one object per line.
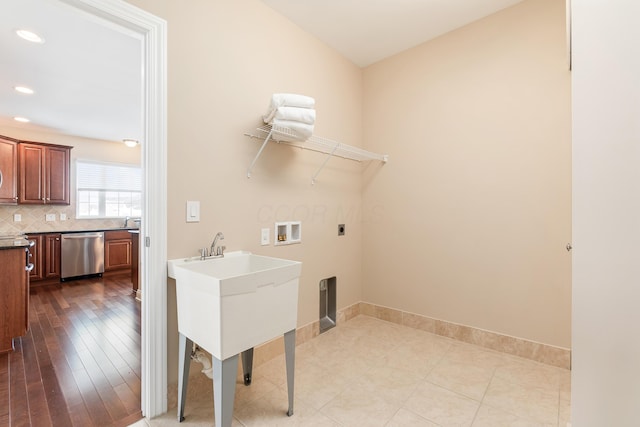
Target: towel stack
{"x":294,"y":112}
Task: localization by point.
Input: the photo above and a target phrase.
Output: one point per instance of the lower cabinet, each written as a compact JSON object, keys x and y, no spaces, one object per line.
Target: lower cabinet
{"x":45,"y":256}
{"x":117,"y":250}
{"x":14,"y":297}
{"x":46,"y":251}
{"x":36,"y":253}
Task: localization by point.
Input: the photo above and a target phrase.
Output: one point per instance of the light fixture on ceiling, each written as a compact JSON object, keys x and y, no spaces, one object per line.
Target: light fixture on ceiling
{"x":24,"y":89}
{"x":29,"y":36}
{"x":130,"y":142}
{"x":21,"y":119}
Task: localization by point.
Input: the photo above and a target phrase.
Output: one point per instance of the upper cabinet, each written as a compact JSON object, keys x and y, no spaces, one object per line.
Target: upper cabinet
{"x":44,"y":174}
{"x":8,"y":171}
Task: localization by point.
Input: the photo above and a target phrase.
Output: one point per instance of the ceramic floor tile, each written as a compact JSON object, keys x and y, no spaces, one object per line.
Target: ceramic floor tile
{"x":318,"y":386}
{"x":442,"y":406}
{"x":529,"y":373}
{"x":488,"y":416}
{"x":369,"y":372}
{"x":392,"y":384}
{"x":271,"y":410}
{"x":565,"y":385}
{"x":405,"y":418}
{"x":526,"y":401}
{"x":360,"y":405}
{"x":259,"y":387}
{"x":469,"y":353}
{"x":466,"y":378}
{"x":418,"y":358}
{"x":564,"y":417}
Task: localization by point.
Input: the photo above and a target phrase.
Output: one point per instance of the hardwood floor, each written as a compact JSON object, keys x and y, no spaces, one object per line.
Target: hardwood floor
{"x":79,"y":364}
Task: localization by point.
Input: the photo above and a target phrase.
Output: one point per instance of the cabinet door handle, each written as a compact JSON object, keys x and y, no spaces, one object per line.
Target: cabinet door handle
{"x":29,"y":267}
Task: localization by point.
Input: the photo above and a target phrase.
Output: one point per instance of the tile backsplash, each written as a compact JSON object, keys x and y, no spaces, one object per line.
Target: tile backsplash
{"x":33,"y":220}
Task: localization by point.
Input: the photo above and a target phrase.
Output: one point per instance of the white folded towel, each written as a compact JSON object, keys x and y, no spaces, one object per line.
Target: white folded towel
{"x":298,"y":131}
{"x":291,"y":100}
{"x":296,"y":114}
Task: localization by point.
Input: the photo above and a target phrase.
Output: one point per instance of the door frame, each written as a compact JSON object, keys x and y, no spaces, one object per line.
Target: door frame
{"x":152,"y":33}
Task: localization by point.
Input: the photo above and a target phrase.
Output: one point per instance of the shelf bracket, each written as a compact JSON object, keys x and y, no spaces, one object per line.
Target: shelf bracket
{"x":315,"y":175}
{"x":255,"y":159}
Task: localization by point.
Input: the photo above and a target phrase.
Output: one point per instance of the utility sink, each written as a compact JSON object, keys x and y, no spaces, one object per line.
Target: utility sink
{"x":230,"y":304}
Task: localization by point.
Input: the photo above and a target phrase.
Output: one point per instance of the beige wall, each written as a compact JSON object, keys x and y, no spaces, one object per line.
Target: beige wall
{"x":470,"y":218}
{"x":466,"y":223}
{"x":226,"y":58}
{"x":33,"y":217}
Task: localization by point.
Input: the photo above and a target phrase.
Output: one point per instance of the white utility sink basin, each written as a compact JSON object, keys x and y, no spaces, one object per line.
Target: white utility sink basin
{"x":231,"y":304}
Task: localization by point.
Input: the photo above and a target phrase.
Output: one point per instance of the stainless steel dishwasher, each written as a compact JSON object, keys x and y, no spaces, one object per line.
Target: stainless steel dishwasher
{"x":82,"y":254}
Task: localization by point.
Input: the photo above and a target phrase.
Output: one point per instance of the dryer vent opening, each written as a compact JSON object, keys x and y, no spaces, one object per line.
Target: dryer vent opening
{"x":327,"y":304}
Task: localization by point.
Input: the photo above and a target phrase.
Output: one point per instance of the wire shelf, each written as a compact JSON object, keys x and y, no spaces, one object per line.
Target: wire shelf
{"x":283,"y":135}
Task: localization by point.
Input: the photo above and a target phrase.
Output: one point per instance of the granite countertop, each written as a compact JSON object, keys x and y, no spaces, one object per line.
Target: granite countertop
{"x":83,"y":231}
{"x":14,"y":243}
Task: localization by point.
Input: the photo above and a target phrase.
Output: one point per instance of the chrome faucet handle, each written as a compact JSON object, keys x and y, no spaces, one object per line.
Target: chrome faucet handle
{"x":203,"y":253}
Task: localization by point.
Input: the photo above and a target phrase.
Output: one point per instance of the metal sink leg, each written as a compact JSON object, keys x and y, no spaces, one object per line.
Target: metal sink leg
{"x":247,"y":365}
{"x":184,"y":364}
{"x":290,"y":356}
{"x":224,"y":389}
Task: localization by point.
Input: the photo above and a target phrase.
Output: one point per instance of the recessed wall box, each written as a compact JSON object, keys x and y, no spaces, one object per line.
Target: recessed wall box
{"x":287,"y":233}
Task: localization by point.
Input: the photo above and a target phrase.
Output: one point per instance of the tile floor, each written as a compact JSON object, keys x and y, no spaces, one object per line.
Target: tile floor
{"x":368,"y":372}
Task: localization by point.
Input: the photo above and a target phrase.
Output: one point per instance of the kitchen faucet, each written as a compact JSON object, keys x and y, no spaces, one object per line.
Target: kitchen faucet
{"x":126,"y":221}
{"x":217,"y":251}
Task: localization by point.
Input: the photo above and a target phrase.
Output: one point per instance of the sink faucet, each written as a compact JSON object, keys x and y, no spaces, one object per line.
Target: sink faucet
{"x":126,"y":221}
{"x":219,"y":250}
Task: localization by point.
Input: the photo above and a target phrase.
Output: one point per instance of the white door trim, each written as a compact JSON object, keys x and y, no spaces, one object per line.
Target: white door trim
{"x":152,"y":32}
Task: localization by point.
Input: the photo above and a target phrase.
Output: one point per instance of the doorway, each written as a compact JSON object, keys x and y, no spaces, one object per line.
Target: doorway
{"x":153,"y":235}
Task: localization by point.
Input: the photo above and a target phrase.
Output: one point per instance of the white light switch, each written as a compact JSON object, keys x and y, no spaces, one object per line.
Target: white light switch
{"x":50,"y":217}
{"x":264,"y":237}
{"x":63,"y":217}
{"x":193,"y":211}
{"x":17,"y":217}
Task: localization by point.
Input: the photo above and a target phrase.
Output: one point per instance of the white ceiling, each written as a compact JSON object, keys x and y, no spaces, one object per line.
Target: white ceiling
{"x":88,"y":75}
{"x":367,"y":31}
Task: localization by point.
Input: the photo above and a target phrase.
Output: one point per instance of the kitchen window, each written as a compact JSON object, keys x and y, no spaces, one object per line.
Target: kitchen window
{"x":108,"y":190}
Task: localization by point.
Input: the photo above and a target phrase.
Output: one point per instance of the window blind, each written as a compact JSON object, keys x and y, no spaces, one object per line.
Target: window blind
{"x":108,"y":176}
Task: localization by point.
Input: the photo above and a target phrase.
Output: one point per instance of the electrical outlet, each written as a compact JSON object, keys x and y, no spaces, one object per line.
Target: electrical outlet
{"x":63,"y":217}
{"x":341,"y":229}
{"x":264,"y":237}
{"x":17,"y":217}
{"x":50,"y":217}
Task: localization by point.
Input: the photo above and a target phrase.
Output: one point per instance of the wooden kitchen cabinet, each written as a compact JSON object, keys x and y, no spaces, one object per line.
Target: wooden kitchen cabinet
{"x":14,"y":296}
{"x":8,"y":171}
{"x":45,"y":256}
{"x":36,"y":254}
{"x":117,"y":250}
{"x":52,"y":256}
{"x":44,"y":173}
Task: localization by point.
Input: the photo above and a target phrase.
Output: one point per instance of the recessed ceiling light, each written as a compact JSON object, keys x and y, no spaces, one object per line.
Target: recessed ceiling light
{"x":23,"y":89}
{"x":30,"y":36}
{"x":130,"y":142}
{"x":21,"y":119}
